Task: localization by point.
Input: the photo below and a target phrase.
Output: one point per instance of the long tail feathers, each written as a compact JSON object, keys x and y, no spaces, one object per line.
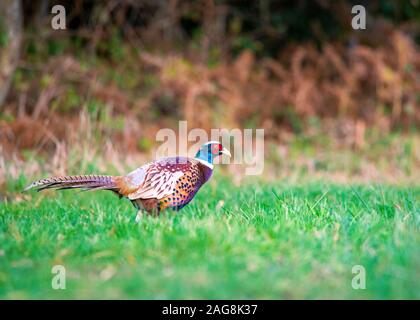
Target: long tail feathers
{"x":84,"y":182}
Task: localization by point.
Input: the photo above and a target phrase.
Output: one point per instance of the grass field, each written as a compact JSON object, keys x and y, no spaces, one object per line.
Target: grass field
{"x":261,"y":240}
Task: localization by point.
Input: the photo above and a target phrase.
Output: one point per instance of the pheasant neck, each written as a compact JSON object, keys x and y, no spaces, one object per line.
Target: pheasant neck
{"x":205,"y":157}
{"x":205,"y":163}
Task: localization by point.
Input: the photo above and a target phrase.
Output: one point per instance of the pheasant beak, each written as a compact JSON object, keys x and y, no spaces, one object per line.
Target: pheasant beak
{"x":226,"y":152}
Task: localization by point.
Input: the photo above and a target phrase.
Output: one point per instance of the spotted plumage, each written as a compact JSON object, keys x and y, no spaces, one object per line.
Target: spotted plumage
{"x":158,"y":185}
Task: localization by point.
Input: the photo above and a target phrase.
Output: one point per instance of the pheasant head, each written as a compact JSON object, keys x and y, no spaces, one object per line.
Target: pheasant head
{"x":209,"y":151}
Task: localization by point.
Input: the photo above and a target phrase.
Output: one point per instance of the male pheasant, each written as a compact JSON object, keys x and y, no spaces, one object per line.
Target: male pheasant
{"x":165,"y":183}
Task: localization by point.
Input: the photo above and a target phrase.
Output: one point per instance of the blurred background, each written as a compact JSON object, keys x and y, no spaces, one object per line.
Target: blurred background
{"x":333,"y":101}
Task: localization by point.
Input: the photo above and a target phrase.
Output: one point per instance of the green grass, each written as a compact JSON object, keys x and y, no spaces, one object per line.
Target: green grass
{"x":274,"y":241}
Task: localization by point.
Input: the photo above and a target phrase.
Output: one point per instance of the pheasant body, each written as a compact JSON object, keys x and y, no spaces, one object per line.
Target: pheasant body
{"x":158,"y":185}
{"x":171,"y":182}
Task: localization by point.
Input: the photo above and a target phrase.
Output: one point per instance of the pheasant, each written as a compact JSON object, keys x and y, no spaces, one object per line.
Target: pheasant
{"x":170,"y":182}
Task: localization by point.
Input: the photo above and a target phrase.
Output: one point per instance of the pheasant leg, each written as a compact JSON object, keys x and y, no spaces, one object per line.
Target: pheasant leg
{"x":139,"y":216}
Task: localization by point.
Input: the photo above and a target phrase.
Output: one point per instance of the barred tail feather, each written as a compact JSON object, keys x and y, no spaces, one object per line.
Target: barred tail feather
{"x":85,"y":182}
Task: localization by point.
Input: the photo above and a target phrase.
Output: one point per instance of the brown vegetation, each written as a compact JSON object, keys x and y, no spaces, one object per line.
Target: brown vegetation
{"x":359,"y":86}
{"x":107,"y":85}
